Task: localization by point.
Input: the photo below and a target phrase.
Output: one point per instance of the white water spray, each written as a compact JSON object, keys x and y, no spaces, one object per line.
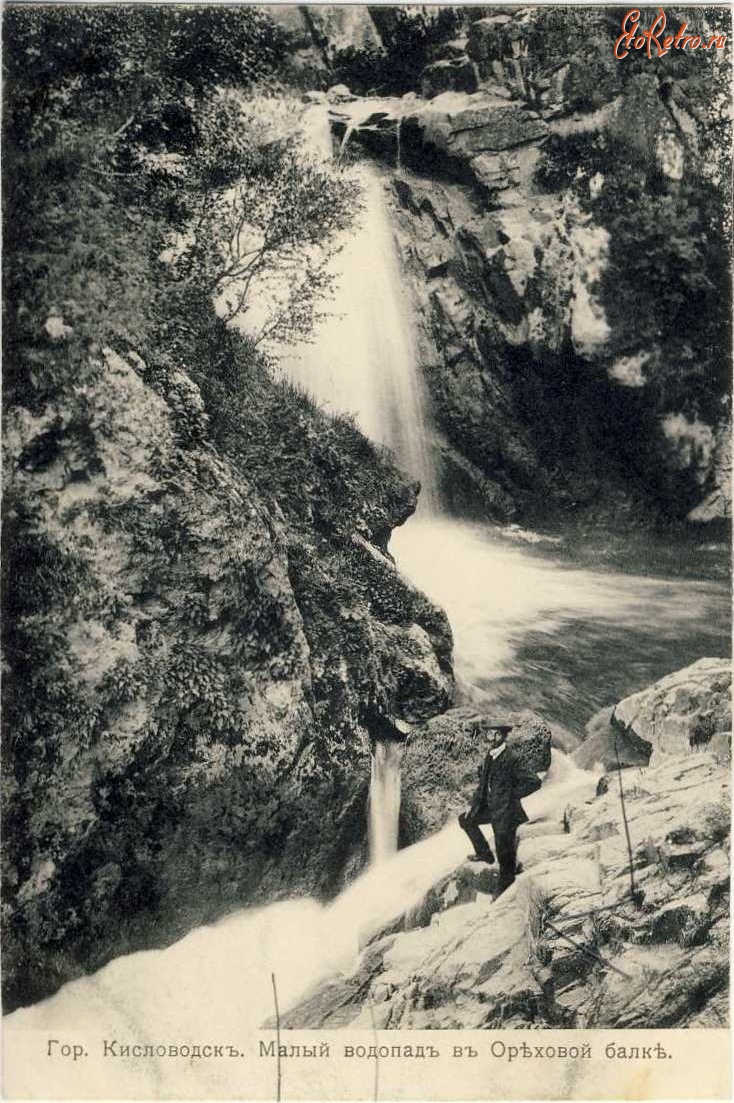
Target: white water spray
{"x":363,"y":358}
{"x":363,"y":361}
{"x":215,"y":984}
{"x":384,"y":799}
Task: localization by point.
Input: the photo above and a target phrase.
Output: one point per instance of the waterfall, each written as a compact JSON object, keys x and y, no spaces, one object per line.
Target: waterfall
{"x":317,"y":134}
{"x":362,"y":359}
{"x":221,"y":974}
{"x":384,"y":799}
{"x":345,"y":139}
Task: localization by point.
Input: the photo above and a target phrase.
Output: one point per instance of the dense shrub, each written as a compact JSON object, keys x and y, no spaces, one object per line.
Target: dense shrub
{"x":123,"y":149}
{"x":668,"y":262}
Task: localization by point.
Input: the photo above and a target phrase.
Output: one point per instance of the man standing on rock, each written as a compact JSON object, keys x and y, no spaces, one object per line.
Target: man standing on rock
{"x":503,"y":782}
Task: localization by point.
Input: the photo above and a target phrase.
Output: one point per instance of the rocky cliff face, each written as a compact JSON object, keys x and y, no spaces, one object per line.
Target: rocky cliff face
{"x":188,"y":665}
{"x":534,"y":167}
{"x":198,"y":621}
{"x":574,"y":942}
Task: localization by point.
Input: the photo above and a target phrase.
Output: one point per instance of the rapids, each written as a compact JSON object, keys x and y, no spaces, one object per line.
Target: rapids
{"x":215,"y":984}
{"x":535,"y":628}
{"x":529,"y":629}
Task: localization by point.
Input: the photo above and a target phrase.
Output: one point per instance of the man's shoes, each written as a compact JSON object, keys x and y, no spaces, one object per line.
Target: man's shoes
{"x":488,"y":858}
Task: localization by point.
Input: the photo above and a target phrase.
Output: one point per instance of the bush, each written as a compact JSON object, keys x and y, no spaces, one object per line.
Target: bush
{"x":667,"y":267}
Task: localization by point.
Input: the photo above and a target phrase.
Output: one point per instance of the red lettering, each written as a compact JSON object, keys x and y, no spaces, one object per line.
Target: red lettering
{"x":632,"y":38}
{"x":626,"y":37}
{"x":655,"y":31}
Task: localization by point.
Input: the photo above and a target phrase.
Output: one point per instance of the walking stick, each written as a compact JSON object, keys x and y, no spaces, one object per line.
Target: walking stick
{"x":635,"y":894}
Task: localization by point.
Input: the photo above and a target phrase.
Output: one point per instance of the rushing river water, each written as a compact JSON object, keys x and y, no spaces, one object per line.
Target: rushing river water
{"x":215,"y":985}
{"x":537,"y":624}
{"x":563,"y":625}
{"x":537,"y":627}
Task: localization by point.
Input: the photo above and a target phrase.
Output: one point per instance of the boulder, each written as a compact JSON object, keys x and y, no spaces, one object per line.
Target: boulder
{"x":490,"y":127}
{"x":442,"y":760}
{"x":606,"y":741}
{"x":456,"y":123}
{"x":454,"y":50}
{"x":689,"y":710}
{"x":495,"y":171}
{"x":339,"y":93}
{"x":490,"y":39}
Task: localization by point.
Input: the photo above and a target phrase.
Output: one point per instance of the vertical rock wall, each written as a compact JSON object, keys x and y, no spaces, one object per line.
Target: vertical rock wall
{"x":534,"y":168}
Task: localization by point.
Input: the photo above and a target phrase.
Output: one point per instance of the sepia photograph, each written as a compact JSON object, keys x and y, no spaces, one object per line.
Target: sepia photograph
{"x":366,"y":685}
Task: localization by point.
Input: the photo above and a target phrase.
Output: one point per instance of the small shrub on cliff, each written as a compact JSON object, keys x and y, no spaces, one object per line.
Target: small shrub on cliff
{"x":667,"y":266}
{"x":108,"y":139}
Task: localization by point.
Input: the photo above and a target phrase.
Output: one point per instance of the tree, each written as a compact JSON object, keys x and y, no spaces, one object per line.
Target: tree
{"x":121,"y":143}
{"x":269,"y":232}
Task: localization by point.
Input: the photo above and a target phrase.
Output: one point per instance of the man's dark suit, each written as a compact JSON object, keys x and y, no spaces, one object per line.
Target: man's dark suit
{"x":503,"y":782}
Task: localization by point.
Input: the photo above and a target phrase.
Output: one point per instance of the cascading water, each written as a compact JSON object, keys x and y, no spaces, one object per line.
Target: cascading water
{"x":216,"y":983}
{"x":363,"y":361}
{"x":384,"y":810}
{"x":363,"y":358}
{"x":220,"y":977}
{"x":499,"y":595}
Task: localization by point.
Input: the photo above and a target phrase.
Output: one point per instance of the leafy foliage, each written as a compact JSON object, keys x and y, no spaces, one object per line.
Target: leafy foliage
{"x":103,"y":197}
{"x":668,"y":262}
{"x":149,"y":622}
{"x":272,"y":222}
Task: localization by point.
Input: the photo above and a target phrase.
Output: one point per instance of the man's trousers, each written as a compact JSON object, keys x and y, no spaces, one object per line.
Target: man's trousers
{"x":505,"y":839}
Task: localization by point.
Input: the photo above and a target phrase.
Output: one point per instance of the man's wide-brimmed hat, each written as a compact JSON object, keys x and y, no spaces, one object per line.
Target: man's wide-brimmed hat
{"x":481,"y":723}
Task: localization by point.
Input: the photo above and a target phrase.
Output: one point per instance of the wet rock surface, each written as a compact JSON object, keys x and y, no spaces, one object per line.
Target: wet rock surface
{"x":202,"y":743}
{"x":200,"y":662}
{"x":511,"y":263}
{"x":567,"y":945}
{"x":610,"y":923}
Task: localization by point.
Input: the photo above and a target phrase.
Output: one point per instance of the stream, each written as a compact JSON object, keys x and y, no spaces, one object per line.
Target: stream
{"x":537,"y":624}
